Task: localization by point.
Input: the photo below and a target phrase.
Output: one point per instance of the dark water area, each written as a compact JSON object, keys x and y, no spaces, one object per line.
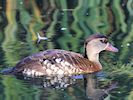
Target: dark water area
{"x":66,"y":24}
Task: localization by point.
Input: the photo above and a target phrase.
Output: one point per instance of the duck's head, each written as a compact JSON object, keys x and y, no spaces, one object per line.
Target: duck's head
{"x":97,"y":43}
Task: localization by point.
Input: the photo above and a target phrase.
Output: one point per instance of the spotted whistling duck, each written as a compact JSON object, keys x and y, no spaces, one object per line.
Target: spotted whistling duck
{"x":62,"y":62}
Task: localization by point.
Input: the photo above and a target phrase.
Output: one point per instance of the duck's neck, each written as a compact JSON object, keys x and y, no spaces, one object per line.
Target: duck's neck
{"x":92,"y":56}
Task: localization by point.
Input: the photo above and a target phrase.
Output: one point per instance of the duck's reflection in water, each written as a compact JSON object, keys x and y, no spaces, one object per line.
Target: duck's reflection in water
{"x":93,"y":92}
{"x":58,"y":81}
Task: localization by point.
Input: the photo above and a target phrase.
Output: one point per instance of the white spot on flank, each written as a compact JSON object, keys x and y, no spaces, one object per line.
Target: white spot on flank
{"x":40,"y":74}
{"x":66,"y":63}
{"x":36,"y":73}
{"x":70,"y":71}
{"x":40,"y":60}
{"x":46,"y":61}
{"x":62,"y":63}
{"x":33,"y":72}
{"x":66,"y":68}
{"x":49,"y":72}
{"x":28,"y":72}
{"x":60,"y":72}
{"x":58,"y":60}
{"x":56,"y":69}
{"x":49,"y":64}
{"x":52,"y":67}
{"x":24,"y":71}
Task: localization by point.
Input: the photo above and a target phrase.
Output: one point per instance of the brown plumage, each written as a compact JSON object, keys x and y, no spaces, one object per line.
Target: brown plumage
{"x":62,"y":62}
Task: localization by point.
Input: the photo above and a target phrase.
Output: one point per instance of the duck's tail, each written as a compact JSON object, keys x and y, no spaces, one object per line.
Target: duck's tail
{"x":7,"y":71}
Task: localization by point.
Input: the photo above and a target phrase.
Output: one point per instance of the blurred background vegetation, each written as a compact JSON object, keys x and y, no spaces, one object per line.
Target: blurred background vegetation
{"x":67,"y":23}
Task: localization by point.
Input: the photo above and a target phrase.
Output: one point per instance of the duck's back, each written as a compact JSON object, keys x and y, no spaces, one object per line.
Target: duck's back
{"x":54,"y":62}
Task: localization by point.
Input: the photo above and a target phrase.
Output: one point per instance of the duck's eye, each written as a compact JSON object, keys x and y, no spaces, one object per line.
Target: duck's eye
{"x":104,"y":41}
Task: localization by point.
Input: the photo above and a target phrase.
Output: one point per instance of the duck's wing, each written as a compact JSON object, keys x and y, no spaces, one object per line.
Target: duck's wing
{"x":62,"y":59}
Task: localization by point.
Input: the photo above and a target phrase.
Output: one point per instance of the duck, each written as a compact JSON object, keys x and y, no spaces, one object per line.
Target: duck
{"x":54,"y":62}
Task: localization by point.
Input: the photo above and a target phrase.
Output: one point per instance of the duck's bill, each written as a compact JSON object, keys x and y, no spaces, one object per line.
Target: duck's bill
{"x":112,"y":48}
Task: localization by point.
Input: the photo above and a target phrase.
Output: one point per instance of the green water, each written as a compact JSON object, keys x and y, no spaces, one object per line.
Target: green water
{"x":67,"y":23}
